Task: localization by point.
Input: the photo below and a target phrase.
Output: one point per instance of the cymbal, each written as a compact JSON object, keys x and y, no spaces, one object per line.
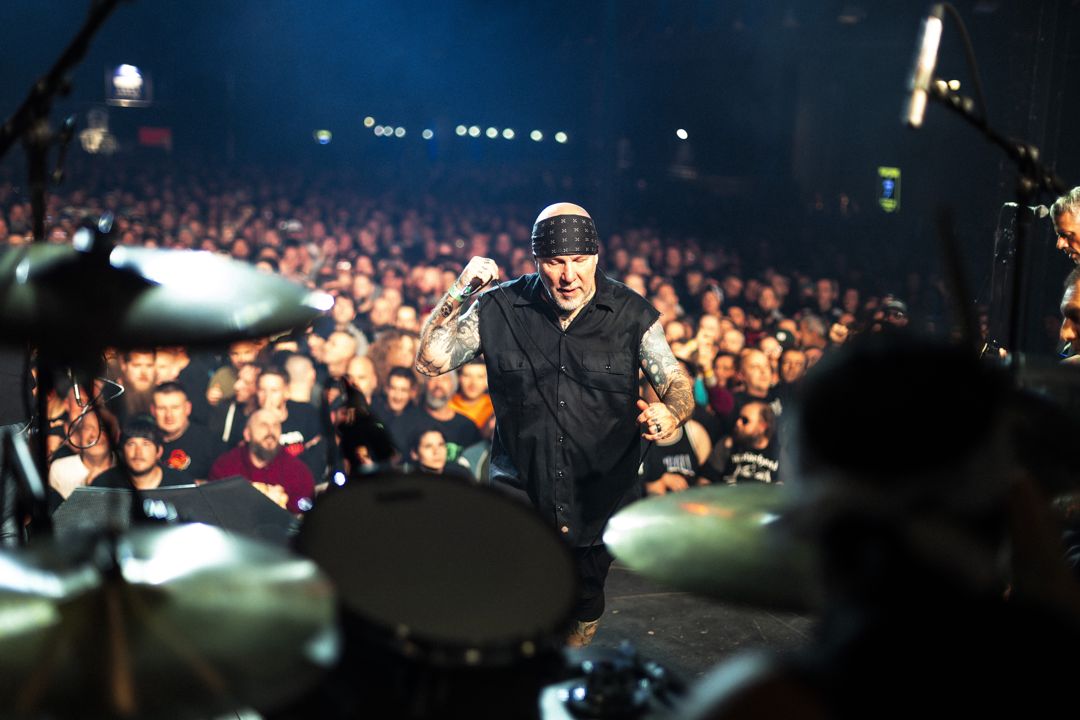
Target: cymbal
{"x":187,"y":622}
{"x":59,"y":297}
{"x":724,"y":542}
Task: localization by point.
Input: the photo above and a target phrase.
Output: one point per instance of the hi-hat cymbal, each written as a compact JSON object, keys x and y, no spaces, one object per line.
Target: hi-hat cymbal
{"x":59,"y":297}
{"x":724,"y":542}
{"x":189,"y":622}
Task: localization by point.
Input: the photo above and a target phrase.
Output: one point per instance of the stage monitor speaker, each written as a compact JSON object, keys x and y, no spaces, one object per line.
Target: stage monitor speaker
{"x":231,"y":504}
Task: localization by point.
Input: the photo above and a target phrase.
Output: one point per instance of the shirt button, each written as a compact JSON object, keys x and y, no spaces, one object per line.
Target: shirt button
{"x":562,"y":403}
{"x":564,"y":529}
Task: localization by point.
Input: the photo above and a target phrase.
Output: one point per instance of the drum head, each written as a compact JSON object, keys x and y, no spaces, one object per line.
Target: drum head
{"x":444,"y":571}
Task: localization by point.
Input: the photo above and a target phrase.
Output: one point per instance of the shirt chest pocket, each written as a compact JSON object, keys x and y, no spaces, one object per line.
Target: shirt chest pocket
{"x":609,"y":371}
{"x":514,"y":374}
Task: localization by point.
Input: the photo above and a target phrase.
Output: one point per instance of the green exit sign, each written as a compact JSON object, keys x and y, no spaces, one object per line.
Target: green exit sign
{"x":889,"y":189}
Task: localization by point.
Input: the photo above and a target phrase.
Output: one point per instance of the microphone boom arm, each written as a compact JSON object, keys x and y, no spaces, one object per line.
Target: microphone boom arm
{"x":1034,"y":178}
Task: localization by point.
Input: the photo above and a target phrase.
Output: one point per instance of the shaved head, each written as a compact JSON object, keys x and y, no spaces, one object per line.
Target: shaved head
{"x":562,"y":208}
{"x":266,"y":417}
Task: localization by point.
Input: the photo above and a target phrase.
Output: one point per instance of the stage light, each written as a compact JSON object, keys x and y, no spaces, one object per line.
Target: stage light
{"x":851,"y":15}
{"x":388,"y":130}
{"x":428,"y":134}
{"x":536,"y":135}
{"x":400,"y":132}
{"x":492,"y":133}
{"x":128,"y":86}
{"x":378,"y":131}
{"x":954,"y":85}
{"x":461,"y":130}
{"x":560,"y":137}
{"x":128,"y":77}
{"x":369,"y":121}
{"x":682,"y":134}
{"x":508,"y":134}
{"x":474,"y":131}
{"x":323,"y":137}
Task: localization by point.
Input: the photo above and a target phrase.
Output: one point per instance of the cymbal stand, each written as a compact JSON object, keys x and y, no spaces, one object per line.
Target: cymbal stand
{"x":30,"y":122}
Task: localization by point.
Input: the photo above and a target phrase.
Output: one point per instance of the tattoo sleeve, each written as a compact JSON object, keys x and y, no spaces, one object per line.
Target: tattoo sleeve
{"x":670,"y":381}
{"x":449,"y":338}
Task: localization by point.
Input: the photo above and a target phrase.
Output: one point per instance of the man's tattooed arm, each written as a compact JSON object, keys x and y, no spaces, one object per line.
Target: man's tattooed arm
{"x":673,"y":386}
{"x":449,"y":338}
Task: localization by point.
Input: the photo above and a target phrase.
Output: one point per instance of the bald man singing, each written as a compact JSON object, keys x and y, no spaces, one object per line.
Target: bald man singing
{"x":563,"y":346}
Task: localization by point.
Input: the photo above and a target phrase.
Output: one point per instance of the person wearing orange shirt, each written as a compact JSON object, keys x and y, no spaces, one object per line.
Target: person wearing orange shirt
{"x":472,"y":399}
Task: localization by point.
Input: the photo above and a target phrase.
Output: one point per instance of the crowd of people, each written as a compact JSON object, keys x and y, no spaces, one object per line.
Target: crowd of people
{"x":745,"y":335}
{"x":712,"y":355}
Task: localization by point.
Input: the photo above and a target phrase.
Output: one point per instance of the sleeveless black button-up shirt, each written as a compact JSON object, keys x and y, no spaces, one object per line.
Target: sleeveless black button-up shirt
{"x":566,"y":429}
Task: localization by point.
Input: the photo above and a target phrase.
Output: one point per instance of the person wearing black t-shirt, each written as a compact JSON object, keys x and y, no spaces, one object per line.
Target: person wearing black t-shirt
{"x":673,"y":464}
{"x":458,"y":430}
{"x":192,"y":372}
{"x":752,"y":453}
{"x":188,"y":448}
{"x":140,"y":468}
{"x":301,"y":426}
{"x":394,"y":408}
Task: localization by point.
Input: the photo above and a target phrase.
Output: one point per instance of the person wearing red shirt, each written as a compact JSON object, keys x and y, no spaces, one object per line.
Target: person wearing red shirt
{"x":281,"y":477}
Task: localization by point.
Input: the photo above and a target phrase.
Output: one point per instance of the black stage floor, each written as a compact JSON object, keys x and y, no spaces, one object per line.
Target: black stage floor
{"x":687,"y":634}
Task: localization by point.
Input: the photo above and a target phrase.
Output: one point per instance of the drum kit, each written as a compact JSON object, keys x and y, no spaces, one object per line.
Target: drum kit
{"x":406,"y":596}
{"x":403,"y":595}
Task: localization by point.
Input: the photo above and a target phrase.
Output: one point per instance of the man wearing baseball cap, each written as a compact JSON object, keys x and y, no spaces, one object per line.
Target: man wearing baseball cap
{"x":140,"y":466}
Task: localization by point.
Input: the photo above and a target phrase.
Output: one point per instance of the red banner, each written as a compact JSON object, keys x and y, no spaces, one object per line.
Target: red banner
{"x":156,"y":137}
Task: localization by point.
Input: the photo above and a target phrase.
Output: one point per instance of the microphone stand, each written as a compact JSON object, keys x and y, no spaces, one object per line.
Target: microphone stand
{"x":31,"y":123}
{"x":31,"y":120}
{"x":997,"y":305}
{"x":1033,"y":178}
{"x":999,"y":280}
